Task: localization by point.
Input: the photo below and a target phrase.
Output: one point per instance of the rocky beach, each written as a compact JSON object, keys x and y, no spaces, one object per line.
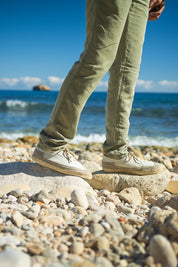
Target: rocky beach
{"x":52,"y":220}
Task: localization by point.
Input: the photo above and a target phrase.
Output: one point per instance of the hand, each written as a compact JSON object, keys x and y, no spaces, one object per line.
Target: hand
{"x":155,"y":15}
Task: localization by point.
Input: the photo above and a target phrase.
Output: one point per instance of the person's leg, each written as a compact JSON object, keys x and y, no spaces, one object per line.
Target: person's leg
{"x":105,"y":21}
{"x":123,"y":77}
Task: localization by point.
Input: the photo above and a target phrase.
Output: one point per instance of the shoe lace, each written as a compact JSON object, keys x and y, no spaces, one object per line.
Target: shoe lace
{"x":131,"y":155}
{"x":68,"y":154}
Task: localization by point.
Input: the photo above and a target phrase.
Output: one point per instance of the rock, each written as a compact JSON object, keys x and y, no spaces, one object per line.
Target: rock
{"x":29,"y":215}
{"x":8,"y":240}
{"x":79,"y":198}
{"x":133,"y":248}
{"x":35,"y":248}
{"x":162,"y":252}
{"x":32,"y":140}
{"x":77,"y":248}
{"x":82,"y":264}
{"x":107,"y":181}
{"x":102,"y":262}
{"x":52,"y":265}
{"x":146,"y":184}
{"x":84,"y":231}
{"x":35,"y":208}
{"x":115,"y":225}
{"x":91,"y":166}
{"x":170,"y":226}
{"x":5,"y":188}
{"x":96,"y":229}
{"x":101,"y":243}
{"x":79,"y":210}
{"x":92,"y":202}
{"x":131,"y":195}
{"x":53,"y":220}
{"x":35,"y":178}
{"x":93,"y":147}
{"x":14,"y":258}
{"x":115,"y":199}
{"x":17,"y":218}
{"x":176,"y":169}
{"x":173,"y":184}
{"x":43,"y":194}
{"x":41,"y":87}
{"x":125,"y":209}
{"x":17,"y":193}
{"x":171,"y":201}
{"x":167,"y":164}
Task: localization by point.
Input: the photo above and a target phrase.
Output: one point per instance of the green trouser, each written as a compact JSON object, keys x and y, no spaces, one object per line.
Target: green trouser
{"x":115,"y":32}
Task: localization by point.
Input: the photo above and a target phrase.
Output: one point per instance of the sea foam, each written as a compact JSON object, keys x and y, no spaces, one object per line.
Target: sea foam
{"x":100,"y":138}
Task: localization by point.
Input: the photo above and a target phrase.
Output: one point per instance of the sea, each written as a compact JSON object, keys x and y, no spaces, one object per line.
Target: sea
{"x":153,"y":120}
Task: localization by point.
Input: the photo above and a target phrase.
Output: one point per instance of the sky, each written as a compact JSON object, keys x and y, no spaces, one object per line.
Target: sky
{"x":41,"y":39}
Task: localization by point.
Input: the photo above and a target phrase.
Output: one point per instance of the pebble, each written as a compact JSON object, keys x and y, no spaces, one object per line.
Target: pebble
{"x":77,"y":248}
{"x":8,"y":240}
{"x":101,"y":243}
{"x":53,"y":220}
{"x":17,"y":218}
{"x":102,"y":262}
{"x":96,"y":229}
{"x":53,"y":230}
{"x":131,"y":195}
{"x":30,"y":215}
{"x":84,"y":231}
{"x":79,"y":198}
{"x":35,"y":248}
{"x":14,"y":258}
{"x":162,"y":252}
{"x":125,"y":209}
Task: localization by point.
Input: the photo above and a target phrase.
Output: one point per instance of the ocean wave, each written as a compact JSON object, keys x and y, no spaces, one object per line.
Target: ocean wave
{"x":133,"y":140}
{"x":100,"y":138}
{"x":19,"y":105}
{"x":16,"y":135}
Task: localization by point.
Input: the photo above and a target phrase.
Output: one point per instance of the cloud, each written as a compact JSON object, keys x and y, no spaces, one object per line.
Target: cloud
{"x":23,"y":82}
{"x":30,"y":81}
{"x":103,"y":83}
{"x":9,"y":81}
{"x":55,"y":80}
{"x":145,"y":84}
{"x":170,"y":84}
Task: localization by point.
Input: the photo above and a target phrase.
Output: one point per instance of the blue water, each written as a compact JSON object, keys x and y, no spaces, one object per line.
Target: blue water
{"x":153,"y":121}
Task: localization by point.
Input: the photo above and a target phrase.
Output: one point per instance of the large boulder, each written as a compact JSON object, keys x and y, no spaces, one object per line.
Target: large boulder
{"x":33,"y":177}
{"x":41,"y":87}
{"x":146,"y":184}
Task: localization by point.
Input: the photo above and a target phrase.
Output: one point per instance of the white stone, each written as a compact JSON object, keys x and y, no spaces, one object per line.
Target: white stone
{"x":17,"y":218}
{"x":14,"y":258}
{"x":131,"y":195}
{"x":77,"y":248}
{"x":8,"y":240}
{"x":7,"y":185}
{"x":35,"y":208}
{"x":79,"y":198}
{"x":31,"y":176}
{"x":162,"y":252}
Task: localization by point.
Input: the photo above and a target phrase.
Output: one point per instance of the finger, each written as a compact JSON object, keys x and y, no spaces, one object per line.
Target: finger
{"x":154,"y":3}
{"x":155,"y":15}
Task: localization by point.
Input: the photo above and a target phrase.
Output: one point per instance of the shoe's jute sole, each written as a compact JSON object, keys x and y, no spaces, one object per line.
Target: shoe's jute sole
{"x":61,"y":168}
{"x":114,"y":169}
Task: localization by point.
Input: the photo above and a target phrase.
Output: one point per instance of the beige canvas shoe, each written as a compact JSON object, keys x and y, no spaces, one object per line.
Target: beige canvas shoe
{"x":131,"y":164}
{"x":62,"y":161}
